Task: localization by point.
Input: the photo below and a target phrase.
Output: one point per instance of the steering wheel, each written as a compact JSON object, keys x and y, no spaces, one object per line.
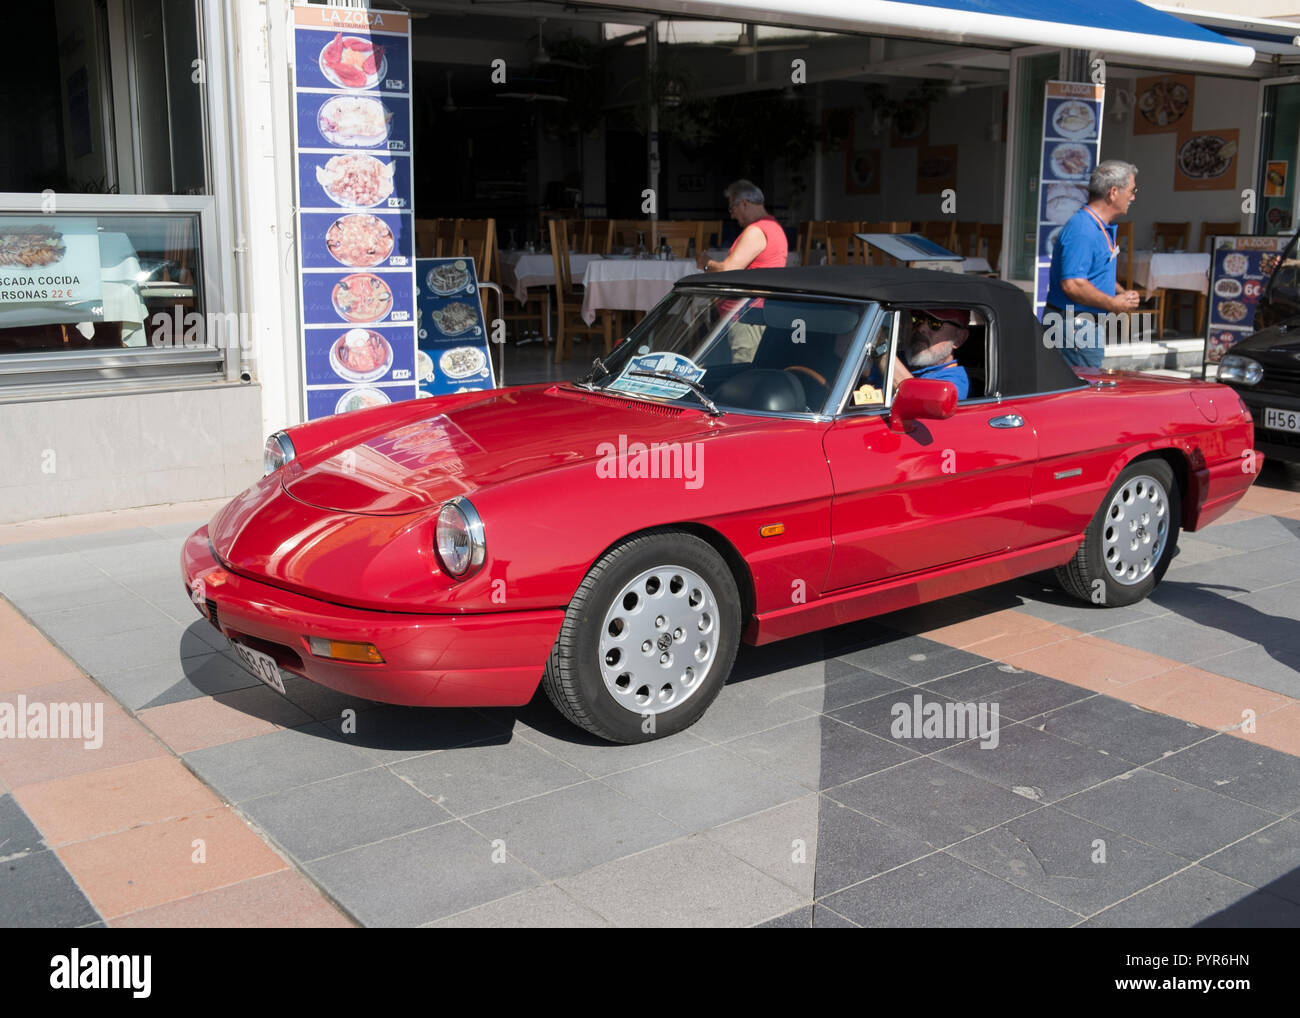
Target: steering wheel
{"x":814,"y":375}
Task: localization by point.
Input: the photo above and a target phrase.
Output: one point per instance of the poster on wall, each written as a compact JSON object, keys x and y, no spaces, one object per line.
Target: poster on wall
{"x":1206,"y":161}
{"x":453,"y":354}
{"x":1275,"y":174}
{"x":910,"y":126}
{"x":862,"y":171}
{"x":1163,"y":104}
{"x":1239,"y":272}
{"x":936,"y":168}
{"x":356,"y":250}
{"x":1071,"y":142}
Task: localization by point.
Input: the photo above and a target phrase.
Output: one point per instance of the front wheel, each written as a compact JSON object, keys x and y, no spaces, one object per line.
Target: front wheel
{"x":648,"y":639}
{"x":1131,"y":539}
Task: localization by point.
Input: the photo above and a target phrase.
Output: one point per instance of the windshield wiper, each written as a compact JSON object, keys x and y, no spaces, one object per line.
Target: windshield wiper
{"x":694,"y":386}
{"x":590,"y":377}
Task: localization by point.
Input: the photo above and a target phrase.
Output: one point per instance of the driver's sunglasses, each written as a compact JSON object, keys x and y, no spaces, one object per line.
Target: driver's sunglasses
{"x":920,"y":318}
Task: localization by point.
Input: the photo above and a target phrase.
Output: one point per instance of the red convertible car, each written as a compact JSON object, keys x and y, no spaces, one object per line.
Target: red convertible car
{"x":767,"y":453}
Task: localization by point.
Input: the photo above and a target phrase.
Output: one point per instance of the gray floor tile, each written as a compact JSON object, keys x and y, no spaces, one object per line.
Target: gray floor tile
{"x":1192,"y":897}
{"x":340,"y":813}
{"x":914,"y":659}
{"x":1239,"y":769}
{"x":157,"y":644}
{"x":710,"y":888}
{"x":819,"y":752}
{"x":1113,"y":726}
{"x":1276,"y":668}
{"x":129,"y":612}
{"x":419,"y":877}
{"x":187,"y":679}
{"x":276,"y":762}
{"x":484,"y":776}
{"x":1034,"y":764}
{"x":541,"y":725}
{"x":799,"y":919}
{"x":932,"y":801}
{"x":939,"y":890}
{"x":704,"y":789}
{"x":32,"y":550}
{"x":388,"y":734}
{"x":1269,"y":860}
{"x":1253,"y":534}
{"x":45,"y":574}
{"x":111,"y":538}
{"x":1176,"y":638}
{"x":570,"y":830}
{"x":37,"y":891}
{"x":852,"y":847}
{"x":545,"y":907}
{"x":18,"y":835}
{"x":91,"y":593}
{"x":1036,"y":696}
{"x":977,"y":683}
{"x":782,"y":842}
{"x":1174,"y":815}
{"x":1070,"y":861}
{"x":321,"y":702}
{"x":901,"y":720}
{"x":742,"y":710}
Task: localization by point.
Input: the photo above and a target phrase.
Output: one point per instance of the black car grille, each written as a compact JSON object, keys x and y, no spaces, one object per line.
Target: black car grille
{"x":211,"y":606}
{"x":1287,"y":438}
{"x":1276,"y":375}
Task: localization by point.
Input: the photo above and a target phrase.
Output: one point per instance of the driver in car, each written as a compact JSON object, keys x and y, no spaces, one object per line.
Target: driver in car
{"x":930,"y":352}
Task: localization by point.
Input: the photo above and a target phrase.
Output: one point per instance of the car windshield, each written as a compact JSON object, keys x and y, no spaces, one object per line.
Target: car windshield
{"x":755,"y":354}
{"x":1284,"y":285}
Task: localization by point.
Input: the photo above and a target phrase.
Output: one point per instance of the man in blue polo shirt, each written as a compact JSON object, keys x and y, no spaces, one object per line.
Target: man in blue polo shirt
{"x":1084,"y":261}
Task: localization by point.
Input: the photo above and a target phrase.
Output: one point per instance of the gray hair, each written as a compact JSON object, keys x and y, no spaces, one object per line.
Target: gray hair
{"x":744,"y":190}
{"x":1108,"y":174}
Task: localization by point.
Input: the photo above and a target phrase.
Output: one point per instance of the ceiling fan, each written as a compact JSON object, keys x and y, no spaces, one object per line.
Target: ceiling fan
{"x":541,"y":57}
{"x":747,"y":45}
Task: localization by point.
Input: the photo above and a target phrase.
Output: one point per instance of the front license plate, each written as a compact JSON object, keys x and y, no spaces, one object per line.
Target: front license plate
{"x":261,"y":665}
{"x":1281,"y":420}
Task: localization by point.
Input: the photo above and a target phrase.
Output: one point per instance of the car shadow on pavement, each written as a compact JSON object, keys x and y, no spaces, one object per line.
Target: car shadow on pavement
{"x":1270,"y":907}
{"x":1278,"y":635}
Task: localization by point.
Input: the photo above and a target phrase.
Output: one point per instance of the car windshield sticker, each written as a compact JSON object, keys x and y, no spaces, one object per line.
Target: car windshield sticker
{"x":674,"y":363}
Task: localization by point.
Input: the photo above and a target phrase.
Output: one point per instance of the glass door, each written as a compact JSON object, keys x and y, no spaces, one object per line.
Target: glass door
{"x":1031,"y":69}
{"x":1279,"y":156}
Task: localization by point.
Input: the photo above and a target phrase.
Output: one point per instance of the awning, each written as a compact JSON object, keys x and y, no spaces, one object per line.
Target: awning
{"x":1113,"y":27}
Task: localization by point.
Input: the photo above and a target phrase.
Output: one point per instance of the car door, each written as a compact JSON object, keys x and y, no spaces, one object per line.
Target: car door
{"x":941,"y":492}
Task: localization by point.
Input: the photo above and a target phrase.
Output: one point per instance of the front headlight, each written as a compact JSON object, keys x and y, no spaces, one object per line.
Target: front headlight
{"x":277,"y":452}
{"x":1240,"y":370}
{"x":458,"y":538}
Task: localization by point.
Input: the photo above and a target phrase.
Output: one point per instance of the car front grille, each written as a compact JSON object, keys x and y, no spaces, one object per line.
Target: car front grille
{"x":213,"y":617}
{"x":1276,"y":375}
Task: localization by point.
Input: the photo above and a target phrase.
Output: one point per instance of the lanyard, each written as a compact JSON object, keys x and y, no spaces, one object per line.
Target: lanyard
{"x":1111,"y":245}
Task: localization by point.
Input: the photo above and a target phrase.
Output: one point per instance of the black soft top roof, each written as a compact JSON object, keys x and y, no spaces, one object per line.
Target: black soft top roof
{"x":1025,"y":363}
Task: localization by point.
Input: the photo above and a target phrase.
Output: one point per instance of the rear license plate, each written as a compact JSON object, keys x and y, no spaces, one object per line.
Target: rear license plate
{"x":1281,"y":420}
{"x":261,"y":665}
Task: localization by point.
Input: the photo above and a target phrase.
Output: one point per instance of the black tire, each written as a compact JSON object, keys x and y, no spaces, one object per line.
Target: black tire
{"x":1092,"y":574}
{"x":637,"y":704}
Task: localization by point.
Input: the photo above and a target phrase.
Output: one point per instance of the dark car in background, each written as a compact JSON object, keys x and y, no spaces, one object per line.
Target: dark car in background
{"x":1264,"y":367}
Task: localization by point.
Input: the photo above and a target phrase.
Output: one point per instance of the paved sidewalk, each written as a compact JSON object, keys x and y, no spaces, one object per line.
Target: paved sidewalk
{"x":1146,"y":773}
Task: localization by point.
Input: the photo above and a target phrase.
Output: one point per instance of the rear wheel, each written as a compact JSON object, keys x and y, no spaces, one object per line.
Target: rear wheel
{"x":1131,"y":539}
{"x":648,"y":640}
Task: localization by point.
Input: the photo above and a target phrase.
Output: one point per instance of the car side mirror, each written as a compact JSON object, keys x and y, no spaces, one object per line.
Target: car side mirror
{"x":922,"y":399}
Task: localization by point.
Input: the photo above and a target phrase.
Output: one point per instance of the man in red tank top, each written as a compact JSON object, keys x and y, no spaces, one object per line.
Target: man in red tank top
{"x":761,"y":244}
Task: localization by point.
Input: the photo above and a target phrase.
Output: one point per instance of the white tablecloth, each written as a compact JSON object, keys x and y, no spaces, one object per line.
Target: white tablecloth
{"x":521,"y":270}
{"x":629,"y":284}
{"x":1175,"y":271}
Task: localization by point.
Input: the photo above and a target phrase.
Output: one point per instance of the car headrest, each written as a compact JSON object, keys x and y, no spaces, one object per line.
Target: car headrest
{"x":763,"y":389}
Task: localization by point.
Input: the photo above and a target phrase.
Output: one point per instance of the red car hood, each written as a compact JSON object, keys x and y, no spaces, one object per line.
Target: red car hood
{"x":511,"y":434}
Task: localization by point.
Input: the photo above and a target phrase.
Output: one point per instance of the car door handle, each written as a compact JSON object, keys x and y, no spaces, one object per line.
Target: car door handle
{"x":1007,"y":421}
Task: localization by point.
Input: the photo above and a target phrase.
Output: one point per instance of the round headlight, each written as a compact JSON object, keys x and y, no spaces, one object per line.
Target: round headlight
{"x":458,"y":538}
{"x":1240,"y":370}
{"x":277,"y":452}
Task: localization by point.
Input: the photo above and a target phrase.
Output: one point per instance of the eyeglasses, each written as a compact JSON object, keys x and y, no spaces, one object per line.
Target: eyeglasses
{"x":920,"y":318}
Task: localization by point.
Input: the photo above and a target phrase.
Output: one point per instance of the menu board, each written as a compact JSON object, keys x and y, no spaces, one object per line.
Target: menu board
{"x":50,"y":270}
{"x":1071,"y":143}
{"x":1240,"y":268}
{"x":453,"y":353}
{"x":356,"y":226}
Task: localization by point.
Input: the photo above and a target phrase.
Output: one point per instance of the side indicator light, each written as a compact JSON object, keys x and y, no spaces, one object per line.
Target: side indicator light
{"x":345,"y":650}
{"x":771,"y":530}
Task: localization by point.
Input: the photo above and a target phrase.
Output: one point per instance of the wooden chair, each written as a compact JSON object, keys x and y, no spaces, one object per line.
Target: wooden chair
{"x":537,"y":308}
{"x":1124,"y":276}
{"x":990,"y":242}
{"x":568,"y":299}
{"x":1209,"y":231}
{"x":678,"y":234}
{"x":426,"y":238}
{"x":842,"y":247}
{"x":625,"y":231}
{"x":941,"y":231}
{"x":710,"y":233}
{"x":600,"y":236}
{"x":966,"y":239}
{"x":1167,"y":237}
{"x":478,"y":241}
{"x":447,"y":240}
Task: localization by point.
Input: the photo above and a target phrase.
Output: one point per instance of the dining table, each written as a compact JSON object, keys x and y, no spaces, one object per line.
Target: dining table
{"x":521,"y":270}
{"x":629,"y":284}
{"x":1171,"y":270}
